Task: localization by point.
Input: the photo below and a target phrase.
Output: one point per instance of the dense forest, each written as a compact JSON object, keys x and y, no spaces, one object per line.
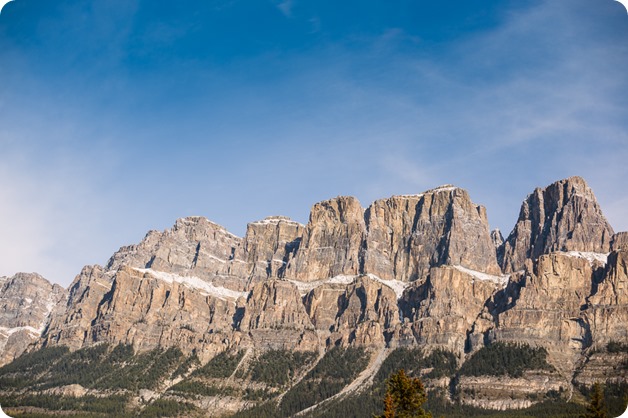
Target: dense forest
{"x":275,"y":383}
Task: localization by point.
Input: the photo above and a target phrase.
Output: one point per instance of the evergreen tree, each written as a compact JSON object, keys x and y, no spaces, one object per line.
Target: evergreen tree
{"x":597,"y":406}
{"x":389,"y":406}
{"x":404,"y":397}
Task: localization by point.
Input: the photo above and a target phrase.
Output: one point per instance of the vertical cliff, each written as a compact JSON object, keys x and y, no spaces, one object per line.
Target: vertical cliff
{"x":26,"y":303}
{"x":563,"y":216}
{"x":407,"y":235}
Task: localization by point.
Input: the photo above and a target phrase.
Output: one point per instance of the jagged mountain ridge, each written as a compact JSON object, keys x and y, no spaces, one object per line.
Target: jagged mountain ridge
{"x":415,"y":270}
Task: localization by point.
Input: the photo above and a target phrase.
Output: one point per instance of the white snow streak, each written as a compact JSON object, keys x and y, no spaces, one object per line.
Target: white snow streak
{"x":589,"y":256}
{"x":500,"y":280}
{"x":304,"y":287}
{"x":396,"y":285}
{"x":9,"y":331}
{"x":207,"y":289}
{"x":445,"y":188}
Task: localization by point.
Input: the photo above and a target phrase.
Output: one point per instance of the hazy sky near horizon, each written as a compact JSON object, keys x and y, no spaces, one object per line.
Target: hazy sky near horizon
{"x":120,"y":116}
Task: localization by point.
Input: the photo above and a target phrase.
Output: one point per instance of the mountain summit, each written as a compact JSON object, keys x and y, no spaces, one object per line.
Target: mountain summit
{"x":409,"y":277}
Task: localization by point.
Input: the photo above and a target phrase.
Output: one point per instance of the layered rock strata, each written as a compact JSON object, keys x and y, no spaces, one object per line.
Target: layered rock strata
{"x":418,"y":270}
{"x":445,"y":309}
{"x":26,"y":303}
{"x":331,"y":242}
{"x":564,"y":216}
{"x":408,"y":235}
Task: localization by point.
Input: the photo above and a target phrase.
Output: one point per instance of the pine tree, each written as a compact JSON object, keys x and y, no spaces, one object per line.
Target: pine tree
{"x":597,"y":406}
{"x":404,"y":397}
{"x":389,"y":406}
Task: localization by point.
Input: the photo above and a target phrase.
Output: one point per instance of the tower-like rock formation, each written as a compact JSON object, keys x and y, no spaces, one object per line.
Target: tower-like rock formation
{"x":564,"y":216}
{"x":407,"y":235}
{"x":332,"y":241}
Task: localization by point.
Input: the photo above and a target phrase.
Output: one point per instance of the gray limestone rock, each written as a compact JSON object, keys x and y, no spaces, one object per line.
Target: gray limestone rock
{"x":331,"y":242}
{"x":408,"y":235}
{"x":564,"y":216}
{"x":26,"y":303}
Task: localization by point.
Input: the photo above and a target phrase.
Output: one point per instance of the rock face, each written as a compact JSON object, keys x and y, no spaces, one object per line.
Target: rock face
{"x":548,"y":310}
{"x":620,"y":241}
{"x":497,"y":238}
{"x":270,"y":245}
{"x":407,"y":235}
{"x":26,"y":302}
{"x":414,"y":270}
{"x":193,"y":246}
{"x":505,"y":392}
{"x":607,"y":308}
{"x":367,"y":313}
{"x":148,"y":309}
{"x":564,"y":216}
{"x":445,"y":309}
{"x":275,"y":318}
{"x":69,"y":325}
{"x":332,"y":241}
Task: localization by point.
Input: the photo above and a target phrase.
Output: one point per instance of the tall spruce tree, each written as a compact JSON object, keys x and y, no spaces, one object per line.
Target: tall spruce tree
{"x":404,"y":397}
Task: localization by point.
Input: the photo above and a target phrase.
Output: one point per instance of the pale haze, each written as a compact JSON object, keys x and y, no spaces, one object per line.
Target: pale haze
{"x":118,"y":117}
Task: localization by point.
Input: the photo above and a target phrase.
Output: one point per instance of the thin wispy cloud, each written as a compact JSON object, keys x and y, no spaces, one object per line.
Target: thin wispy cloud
{"x":285,"y":7}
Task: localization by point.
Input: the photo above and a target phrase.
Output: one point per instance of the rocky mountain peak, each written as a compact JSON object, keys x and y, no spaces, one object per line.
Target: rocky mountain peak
{"x":26,"y":302}
{"x":331,"y":242}
{"x":340,"y":209}
{"x":417,"y":271}
{"x":497,"y":238}
{"x":563,"y":216}
{"x":197,"y":227}
{"x":409,"y":234}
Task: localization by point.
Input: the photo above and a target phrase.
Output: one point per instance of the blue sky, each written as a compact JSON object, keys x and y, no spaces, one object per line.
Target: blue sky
{"x":119,"y":116}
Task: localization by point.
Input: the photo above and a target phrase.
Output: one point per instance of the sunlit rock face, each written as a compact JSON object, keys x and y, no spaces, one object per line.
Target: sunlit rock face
{"x":407,"y":235}
{"x":26,"y":303}
{"x":332,"y":241}
{"x":564,"y":216}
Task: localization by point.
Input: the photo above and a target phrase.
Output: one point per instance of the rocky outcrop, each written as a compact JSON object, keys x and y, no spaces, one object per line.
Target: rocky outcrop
{"x":552,"y":306}
{"x":26,"y":302}
{"x":274,"y":317}
{"x":193,"y":246}
{"x":446,"y":309}
{"x":547,"y":312}
{"x":331,"y":242}
{"x":70,"y":324}
{"x":407,"y":235}
{"x":607,"y":309}
{"x":620,"y":241}
{"x":602,"y":366}
{"x":564,"y":216}
{"x":497,"y":238}
{"x":367,"y":313}
{"x":269,"y":245}
{"x":504,"y":392}
{"x":148,"y":309}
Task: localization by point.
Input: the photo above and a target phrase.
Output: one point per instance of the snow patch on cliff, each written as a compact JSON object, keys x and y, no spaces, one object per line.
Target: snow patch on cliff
{"x":589,"y":256}
{"x":500,"y":280}
{"x":206,"y":289}
{"x":9,"y":331}
{"x":304,"y":287}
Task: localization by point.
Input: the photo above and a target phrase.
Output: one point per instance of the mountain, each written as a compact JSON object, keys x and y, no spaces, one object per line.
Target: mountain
{"x":26,"y":304}
{"x":312,"y":317}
